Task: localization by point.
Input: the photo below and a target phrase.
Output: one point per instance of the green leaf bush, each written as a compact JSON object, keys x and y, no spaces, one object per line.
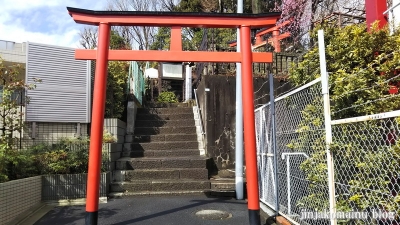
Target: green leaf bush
{"x":67,"y":156}
{"x":362,"y":67}
{"x":167,"y":97}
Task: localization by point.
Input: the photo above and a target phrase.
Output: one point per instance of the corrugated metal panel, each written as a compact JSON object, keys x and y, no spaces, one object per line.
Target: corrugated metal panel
{"x":64,"y":93}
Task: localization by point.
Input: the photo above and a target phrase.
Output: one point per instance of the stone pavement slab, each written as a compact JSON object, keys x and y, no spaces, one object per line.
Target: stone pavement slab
{"x":165,"y":210}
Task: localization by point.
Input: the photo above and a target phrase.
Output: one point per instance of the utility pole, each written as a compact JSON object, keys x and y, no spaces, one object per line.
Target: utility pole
{"x":239,"y":185}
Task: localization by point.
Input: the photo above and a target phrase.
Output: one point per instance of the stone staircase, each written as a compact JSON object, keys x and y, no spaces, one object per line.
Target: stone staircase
{"x":162,"y":157}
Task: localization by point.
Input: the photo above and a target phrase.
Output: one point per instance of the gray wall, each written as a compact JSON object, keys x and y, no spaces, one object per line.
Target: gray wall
{"x":218,"y":111}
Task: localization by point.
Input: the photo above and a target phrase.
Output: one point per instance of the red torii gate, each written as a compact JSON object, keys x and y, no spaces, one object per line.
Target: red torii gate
{"x":106,"y":19}
{"x":275,"y":40}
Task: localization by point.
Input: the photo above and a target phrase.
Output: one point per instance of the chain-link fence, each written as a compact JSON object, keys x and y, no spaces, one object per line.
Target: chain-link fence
{"x":365,"y":158}
{"x":299,"y":137}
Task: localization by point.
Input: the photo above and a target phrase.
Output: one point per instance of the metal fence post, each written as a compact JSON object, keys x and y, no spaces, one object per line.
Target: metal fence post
{"x":328,"y":126}
{"x":273,"y":140}
{"x":288,"y":184}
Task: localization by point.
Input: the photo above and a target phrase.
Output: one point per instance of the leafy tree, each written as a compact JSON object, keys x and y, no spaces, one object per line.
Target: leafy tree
{"x":189,"y":6}
{"x":162,"y":39}
{"x":117,"y":71}
{"x":116,"y":89}
{"x":118,"y":42}
{"x":360,"y":64}
{"x":117,"y":80}
{"x":12,"y":96}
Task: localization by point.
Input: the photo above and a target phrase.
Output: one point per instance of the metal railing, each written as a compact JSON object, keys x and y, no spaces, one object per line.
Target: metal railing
{"x":136,"y":82}
{"x":199,"y":112}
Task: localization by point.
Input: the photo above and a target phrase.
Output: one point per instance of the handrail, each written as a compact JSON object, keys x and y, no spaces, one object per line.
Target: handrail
{"x":198,"y":111}
{"x":391,"y":8}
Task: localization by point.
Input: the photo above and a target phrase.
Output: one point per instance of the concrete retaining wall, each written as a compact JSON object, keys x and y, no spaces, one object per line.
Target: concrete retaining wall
{"x":217,"y":97}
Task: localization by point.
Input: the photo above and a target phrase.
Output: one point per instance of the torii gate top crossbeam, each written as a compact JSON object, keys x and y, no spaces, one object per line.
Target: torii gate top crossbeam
{"x":176,"y":21}
{"x":169,"y":19}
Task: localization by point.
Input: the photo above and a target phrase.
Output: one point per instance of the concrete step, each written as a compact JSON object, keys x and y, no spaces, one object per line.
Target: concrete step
{"x":127,"y":163}
{"x":167,"y":105}
{"x":223,"y":187}
{"x":173,"y":116}
{"x":160,"y":185}
{"x":223,"y":184}
{"x":174,"y":110}
{"x":170,"y":145}
{"x":158,"y":193}
{"x":165,"y":130}
{"x":162,"y":174}
{"x":164,"y":153}
{"x":160,"y":138}
{"x":165,"y":123}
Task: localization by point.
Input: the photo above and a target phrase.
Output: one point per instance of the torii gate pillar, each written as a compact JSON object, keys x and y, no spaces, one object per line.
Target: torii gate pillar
{"x":96,"y":136}
{"x":374,"y":10}
{"x":249,"y":126}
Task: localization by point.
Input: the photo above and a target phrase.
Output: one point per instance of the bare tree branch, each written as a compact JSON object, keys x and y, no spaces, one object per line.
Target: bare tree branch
{"x":139,"y":37}
{"x":88,"y":37}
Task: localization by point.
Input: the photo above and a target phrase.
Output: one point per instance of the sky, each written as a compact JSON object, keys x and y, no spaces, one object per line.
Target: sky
{"x":43,"y":21}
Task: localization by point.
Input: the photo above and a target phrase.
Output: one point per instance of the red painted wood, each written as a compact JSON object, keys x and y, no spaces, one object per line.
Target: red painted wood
{"x":173,"y":56}
{"x":249,"y":121}
{"x":96,"y":136}
{"x":374,"y":10}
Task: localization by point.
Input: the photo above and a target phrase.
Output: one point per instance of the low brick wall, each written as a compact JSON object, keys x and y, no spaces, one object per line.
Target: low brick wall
{"x":18,"y":196}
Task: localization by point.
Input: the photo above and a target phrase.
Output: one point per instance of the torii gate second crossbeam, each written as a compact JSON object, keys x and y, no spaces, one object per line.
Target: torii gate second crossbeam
{"x":106,"y":19}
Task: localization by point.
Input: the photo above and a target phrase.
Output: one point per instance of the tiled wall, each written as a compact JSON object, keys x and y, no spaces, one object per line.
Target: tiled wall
{"x":117,"y":128}
{"x":18,"y":196}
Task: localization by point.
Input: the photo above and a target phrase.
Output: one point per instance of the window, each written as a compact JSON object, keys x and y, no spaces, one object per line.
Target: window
{"x":18,"y":95}
{"x":7,"y":45}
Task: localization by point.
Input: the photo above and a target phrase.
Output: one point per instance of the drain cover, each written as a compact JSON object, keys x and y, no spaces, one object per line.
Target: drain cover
{"x":210,"y":214}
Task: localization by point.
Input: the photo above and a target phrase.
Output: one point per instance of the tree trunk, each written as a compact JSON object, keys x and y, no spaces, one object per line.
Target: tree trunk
{"x":255,"y":6}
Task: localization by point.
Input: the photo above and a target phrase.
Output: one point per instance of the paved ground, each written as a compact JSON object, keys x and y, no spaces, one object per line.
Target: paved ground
{"x":169,"y":210}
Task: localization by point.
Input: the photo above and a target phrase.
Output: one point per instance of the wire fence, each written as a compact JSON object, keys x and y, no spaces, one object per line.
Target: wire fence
{"x":61,"y":148}
{"x":295,"y":142}
{"x":365,"y":157}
